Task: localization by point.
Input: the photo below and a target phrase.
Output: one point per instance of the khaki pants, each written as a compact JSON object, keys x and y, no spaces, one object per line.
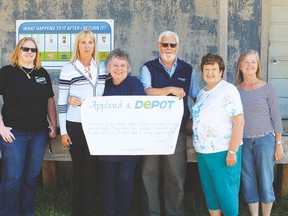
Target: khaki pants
{"x":174,"y":169}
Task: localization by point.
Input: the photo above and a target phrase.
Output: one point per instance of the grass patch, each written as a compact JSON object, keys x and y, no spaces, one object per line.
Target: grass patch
{"x":53,"y":202}
{"x":58,"y":202}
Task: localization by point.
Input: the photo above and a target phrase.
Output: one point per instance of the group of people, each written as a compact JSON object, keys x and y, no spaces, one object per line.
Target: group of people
{"x":237,"y":134}
{"x":236,"y":130}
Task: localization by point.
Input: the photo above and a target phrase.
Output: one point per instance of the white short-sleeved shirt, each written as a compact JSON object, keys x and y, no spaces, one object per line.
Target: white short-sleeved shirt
{"x":212,"y":112}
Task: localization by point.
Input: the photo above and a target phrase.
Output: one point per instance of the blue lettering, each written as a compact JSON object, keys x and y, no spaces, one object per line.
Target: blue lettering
{"x":154,"y":104}
{"x":139,"y":104}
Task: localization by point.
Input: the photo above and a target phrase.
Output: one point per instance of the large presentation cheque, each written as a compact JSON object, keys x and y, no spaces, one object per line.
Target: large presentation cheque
{"x":132,"y":125}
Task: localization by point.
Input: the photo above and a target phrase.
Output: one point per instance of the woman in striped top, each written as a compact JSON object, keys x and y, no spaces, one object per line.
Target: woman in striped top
{"x":81,"y":78}
{"x":262,"y":134}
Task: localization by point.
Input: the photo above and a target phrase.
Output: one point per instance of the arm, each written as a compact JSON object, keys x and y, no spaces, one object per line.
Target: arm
{"x":179,"y":92}
{"x":51,"y":109}
{"x":236,"y":139}
{"x":194,"y":87}
{"x":66,"y":140}
{"x":5,"y":132}
{"x":279,"y":153}
{"x":74,"y":101}
{"x":145,"y":78}
{"x":277,"y":123}
{"x":64,"y":88}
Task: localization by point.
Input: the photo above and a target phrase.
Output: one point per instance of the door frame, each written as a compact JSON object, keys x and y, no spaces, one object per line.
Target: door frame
{"x":264,"y":37}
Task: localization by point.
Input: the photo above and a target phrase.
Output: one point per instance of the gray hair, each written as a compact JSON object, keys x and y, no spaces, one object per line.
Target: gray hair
{"x":120,"y":54}
{"x":168,"y":34}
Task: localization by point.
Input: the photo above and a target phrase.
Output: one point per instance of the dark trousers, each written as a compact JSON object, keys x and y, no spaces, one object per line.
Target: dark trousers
{"x":118,"y":187}
{"x":174,"y":170}
{"x":84,"y":172}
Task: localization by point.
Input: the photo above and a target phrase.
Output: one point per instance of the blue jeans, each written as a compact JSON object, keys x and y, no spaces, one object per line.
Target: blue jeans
{"x":257,"y":169}
{"x":118,"y":186}
{"x":21,"y":164}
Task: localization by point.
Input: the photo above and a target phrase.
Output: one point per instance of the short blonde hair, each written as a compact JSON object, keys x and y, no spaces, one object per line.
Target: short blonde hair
{"x":14,"y":61}
{"x":79,"y":37}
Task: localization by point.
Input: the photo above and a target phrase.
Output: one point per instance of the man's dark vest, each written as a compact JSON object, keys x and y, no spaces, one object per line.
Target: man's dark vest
{"x":181,"y":78}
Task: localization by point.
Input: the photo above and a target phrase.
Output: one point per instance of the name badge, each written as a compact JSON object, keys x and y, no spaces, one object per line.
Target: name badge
{"x":40,"y":80}
{"x":182,"y":79}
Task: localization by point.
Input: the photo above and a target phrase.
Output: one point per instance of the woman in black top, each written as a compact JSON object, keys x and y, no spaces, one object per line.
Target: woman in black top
{"x":28,"y":99}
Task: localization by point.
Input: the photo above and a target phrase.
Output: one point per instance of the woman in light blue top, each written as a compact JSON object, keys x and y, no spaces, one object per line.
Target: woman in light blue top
{"x":262,"y":134}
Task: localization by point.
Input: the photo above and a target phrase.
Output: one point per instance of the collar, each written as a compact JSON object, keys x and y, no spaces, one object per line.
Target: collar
{"x":166,"y":69}
{"x":81,"y":67}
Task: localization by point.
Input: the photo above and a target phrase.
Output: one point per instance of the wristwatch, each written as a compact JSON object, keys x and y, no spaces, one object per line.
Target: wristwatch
{"x":278,"y":142}
{"x":232,"y":152}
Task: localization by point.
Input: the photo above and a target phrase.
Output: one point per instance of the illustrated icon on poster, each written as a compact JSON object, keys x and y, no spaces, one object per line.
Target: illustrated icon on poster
{"x":51,"y":56}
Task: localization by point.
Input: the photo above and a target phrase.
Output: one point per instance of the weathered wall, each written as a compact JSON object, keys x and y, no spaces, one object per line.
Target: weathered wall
{"x":139,"y":22}
{"x":243,"y":30}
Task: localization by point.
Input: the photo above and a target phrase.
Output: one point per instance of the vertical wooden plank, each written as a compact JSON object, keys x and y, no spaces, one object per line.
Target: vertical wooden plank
{"x":285,"y":180}
{"x":265,"y":24}
{"x":278,"y":179}
{"x":49,"y":174}
{"x":223,"y":30}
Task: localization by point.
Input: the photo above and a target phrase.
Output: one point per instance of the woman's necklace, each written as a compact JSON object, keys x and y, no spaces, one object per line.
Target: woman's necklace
{"x":28,"y":73}
{"x":88,"y":72}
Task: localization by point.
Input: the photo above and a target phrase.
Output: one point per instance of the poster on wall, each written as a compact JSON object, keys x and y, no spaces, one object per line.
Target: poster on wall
{"x":55,"y":38}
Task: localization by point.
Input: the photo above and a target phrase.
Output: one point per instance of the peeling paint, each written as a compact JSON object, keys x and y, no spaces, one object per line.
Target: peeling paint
{"x":137,"y":25}
{"x":243,"y":31}
{"x":246,"y":9}
{"x":206,"y":8}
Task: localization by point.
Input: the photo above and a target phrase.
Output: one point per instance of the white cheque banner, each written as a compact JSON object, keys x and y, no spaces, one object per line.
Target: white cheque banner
{"x":131,"y":125}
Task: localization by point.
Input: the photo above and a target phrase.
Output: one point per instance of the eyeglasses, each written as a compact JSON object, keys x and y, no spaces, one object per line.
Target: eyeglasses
{"x":26,"y":49}
{"x":167,"y":44}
